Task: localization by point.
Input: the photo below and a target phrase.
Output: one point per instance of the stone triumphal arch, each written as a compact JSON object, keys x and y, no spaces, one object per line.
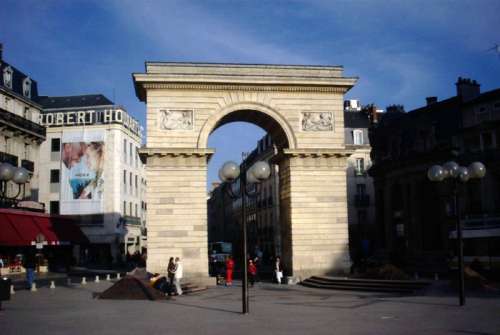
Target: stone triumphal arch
{"x":301,"y":107}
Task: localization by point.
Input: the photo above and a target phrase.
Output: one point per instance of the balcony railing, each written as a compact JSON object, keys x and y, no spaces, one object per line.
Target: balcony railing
{"x":361,"y":200}
{"x":359,"y":172}
{"x":8,"y":158}
{"x":17,"y":122}
{"x":131,"y":220}
{"x":28,"y":165}
{"x":481,"y":221}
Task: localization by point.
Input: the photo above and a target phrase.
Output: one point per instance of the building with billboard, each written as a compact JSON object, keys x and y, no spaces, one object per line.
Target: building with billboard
{"x":91,"y":170}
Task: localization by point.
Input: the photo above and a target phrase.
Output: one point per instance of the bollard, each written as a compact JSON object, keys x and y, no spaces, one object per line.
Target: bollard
{"x":118,"y":275}
{"x":12,"y":291}
{"x":108,"y":277}
{"x":33,"y":287}
{"x":68,"y":281}
{"x":416,"y":276}
{"x":84,"y":281}
{"x":52,"y":284}
{"x":436,"y":276}
{"x":97,"y":279}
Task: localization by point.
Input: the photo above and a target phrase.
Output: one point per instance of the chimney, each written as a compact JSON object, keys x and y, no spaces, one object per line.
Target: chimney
{"x":467,"y":89}
{"x":431,"y":100}
{"x":371,"y":112}
{"x":395,"y":109}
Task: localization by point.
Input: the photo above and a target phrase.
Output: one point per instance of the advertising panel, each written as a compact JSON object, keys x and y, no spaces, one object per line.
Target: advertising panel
{"x":82,"y":172}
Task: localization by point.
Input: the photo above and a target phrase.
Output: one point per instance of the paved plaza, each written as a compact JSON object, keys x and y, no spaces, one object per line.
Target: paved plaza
{"x":273,"y":310}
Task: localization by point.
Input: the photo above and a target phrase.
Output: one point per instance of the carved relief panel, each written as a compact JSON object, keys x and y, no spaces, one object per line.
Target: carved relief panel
{"x":176,"y":119}
{"x":317,"y":121}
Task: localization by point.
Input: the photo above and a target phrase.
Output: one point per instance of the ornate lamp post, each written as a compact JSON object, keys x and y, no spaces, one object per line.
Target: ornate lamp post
{"x":18,"y":175}
{"x":254,"y":174}
{"x":452,"y":170}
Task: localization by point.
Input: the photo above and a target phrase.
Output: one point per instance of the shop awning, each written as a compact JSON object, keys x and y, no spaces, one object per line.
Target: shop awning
{"x":24,"y":228}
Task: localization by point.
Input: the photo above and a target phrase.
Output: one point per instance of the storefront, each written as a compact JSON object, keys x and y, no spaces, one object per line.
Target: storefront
{"x":54,"y":239}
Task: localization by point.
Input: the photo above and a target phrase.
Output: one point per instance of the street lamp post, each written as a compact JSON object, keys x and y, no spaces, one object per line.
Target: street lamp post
{"x":452,"y":170}
{"x":18,"y":175}
{"x":252,"y":175}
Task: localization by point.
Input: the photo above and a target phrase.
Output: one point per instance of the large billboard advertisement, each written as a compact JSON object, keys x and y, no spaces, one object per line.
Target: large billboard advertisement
{"x":82,"y":172}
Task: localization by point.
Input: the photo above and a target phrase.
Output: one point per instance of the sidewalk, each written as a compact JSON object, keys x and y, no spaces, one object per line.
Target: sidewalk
{"x":274,"y":309}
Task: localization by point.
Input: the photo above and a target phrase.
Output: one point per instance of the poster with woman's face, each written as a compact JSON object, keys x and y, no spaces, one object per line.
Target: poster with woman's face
{"x":82,"y":165}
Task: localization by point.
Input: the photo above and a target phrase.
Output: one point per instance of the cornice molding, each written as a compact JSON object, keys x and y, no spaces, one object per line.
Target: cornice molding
{"x":236,"y":87}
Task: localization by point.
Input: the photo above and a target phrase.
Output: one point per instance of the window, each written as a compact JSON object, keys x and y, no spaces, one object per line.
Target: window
{"x":130,"y":206}
{"x":362,"y":217}
{"x":130,"y":180}
{"x":482,"y":114}
{"x":54,"y":207}
{"x":361,"y":189}
{"x":125,"y":151}
{"x":26,"y":113}
{"x":125,"y":181}
{"x":136,"y":211}
{"x":487,"y":141}
{"x":55,"y":145}
{"x":27,"y":151}
{"x":136,"y":158}
{"x":136,"y":183}
{"x":27,"y":87}
{"x":360,"y":166}
{"x":131,"y":154}
{"x":7,"y":77}
{"x":54,"y":176}
{"x":357,"y":135}
{"x":124,"y":208}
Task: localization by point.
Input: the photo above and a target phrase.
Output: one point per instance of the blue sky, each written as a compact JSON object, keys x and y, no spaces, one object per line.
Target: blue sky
{"x":402,"y":51}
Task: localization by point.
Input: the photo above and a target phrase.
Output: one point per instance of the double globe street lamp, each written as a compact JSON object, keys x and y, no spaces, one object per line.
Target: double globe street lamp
{"x":248,"y":176}
{"x":458,"y":174}
{"x":19,"y":175}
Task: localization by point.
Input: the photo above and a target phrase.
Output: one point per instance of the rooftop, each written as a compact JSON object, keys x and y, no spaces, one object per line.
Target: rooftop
{"x":76,"y":101}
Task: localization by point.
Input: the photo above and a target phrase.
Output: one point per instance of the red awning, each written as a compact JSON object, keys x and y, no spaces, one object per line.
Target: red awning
{"x":21,"y":228}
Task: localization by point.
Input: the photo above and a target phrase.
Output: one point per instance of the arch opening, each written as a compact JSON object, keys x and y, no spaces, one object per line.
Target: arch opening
{"x":264,"y":117}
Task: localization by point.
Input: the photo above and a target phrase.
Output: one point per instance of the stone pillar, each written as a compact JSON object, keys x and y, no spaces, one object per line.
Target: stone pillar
{"x":177,"y":211}
{"x":314,"y":213}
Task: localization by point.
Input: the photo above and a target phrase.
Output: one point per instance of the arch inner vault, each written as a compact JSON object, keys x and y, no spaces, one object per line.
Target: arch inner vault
{"x":301,"y":107}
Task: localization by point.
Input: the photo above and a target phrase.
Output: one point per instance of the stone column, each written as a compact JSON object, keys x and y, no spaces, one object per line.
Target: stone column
{"x":177,"y":211}
{"x":314,"y":213}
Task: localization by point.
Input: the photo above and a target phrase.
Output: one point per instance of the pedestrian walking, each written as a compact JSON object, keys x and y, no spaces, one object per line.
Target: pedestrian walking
{"x":229,"y":270}
{"x":252,"y":272}
{"x":278,"y":270}
{"x":178,"y":275}
{"x":171,"y":271}
{"x":29,"y":263}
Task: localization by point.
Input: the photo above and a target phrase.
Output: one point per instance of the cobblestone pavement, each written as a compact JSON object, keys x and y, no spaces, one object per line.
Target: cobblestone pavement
{"x":273,"y":310}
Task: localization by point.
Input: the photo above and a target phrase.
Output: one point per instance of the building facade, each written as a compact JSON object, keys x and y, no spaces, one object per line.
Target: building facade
{"x":91,"y":171}
{"x":360,"y":190}
{"x":415,"y":217}
{"x":20,"y":130}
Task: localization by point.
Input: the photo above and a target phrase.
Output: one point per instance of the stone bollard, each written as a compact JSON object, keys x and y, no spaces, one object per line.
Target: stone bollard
{"x":68,"y":281}
{"x":84,"y":281}
{"x":108,"y":277}
{"x":118,"y":275}
{"x":12,"y":291}
{"x":436,"y":276}
{"x":52,"y":284}
{"x":33,"y":287}
{"x":97,"y":279}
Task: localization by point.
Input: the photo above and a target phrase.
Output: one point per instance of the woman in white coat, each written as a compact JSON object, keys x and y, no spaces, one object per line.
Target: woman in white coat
{"x":178,"y":276}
